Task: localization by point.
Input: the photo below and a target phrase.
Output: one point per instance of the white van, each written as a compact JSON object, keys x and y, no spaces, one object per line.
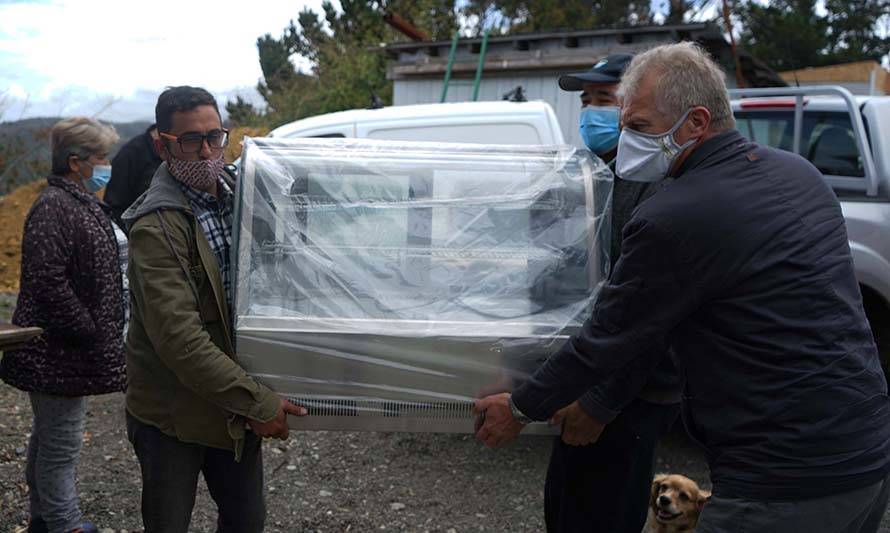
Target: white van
{"x":464,"y":122}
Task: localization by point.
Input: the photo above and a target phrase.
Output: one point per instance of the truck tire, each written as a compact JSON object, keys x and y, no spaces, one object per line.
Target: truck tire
{"x":878,"y":312}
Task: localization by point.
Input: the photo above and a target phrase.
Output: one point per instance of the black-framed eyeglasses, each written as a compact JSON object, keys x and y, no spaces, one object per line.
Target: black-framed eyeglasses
{"x":191,"y":143}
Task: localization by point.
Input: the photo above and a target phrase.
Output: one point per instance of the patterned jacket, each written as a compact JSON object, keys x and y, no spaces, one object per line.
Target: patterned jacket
{"x":70,"y":287}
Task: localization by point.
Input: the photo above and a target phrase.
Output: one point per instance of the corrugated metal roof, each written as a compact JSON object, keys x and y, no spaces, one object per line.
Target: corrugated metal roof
{"x":705,"y":27}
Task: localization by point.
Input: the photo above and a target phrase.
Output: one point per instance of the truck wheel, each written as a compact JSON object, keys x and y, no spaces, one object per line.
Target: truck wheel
{"x":878,"y":313}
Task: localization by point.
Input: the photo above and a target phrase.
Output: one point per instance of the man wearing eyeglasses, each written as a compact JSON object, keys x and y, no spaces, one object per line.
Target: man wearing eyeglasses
{"x":188,"y":401}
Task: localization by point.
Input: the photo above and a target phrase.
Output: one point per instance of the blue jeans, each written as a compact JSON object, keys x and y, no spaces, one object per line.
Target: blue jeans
{"x":170,"y":471}
{"x":53,"y":452}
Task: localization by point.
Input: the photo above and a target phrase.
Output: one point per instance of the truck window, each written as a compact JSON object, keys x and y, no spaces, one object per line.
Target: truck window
{"x":827,"y":138}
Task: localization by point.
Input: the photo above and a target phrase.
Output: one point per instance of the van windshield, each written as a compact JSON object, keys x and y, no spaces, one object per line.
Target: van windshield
{"x":827,"y":139}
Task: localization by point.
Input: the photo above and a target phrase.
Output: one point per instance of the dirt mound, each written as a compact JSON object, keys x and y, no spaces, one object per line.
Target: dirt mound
{"x":233,"y":150}
{"x":13,"y":209}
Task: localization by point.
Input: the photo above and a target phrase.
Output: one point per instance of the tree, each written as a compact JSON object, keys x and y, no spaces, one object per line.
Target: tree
{"x":340,"y":45}
{"x":278,"y":71}
{"x":520,"y":16}
{"x":854,"y":32}
{"x":676,"y":12}
{"x":243,"y":113}
{"x":786,"y":34}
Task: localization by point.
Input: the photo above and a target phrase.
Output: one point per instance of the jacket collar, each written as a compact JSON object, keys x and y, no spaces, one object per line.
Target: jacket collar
{"x":163,"y":193}
{"x":71,"y":188}
{"x":708,"y":148}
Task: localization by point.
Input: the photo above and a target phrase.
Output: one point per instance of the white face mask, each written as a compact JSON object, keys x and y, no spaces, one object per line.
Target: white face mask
{"x":646,"y":157}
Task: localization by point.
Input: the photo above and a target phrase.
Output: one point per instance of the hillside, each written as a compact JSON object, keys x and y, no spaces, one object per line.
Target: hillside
{"x":25,"y":152}
{"x":14,"y":206}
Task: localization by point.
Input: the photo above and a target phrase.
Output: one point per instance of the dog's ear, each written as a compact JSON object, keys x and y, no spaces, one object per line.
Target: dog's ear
{"x":703,"y":497}
{"x":654,"y":491}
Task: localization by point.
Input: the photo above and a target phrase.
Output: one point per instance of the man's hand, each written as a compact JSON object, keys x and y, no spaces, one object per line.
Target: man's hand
{"x":277,"y":427}
{"x":578,"y":428}
{"x":495,"y":425}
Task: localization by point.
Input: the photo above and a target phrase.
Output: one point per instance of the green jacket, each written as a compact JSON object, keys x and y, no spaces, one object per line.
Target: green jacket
{"x":182,"y":371}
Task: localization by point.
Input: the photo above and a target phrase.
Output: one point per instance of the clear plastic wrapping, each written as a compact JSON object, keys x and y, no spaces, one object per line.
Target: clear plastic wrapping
{"x":384,"y":285}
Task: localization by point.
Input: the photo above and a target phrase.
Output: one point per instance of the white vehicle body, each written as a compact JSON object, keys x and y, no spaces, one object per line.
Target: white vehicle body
{"x":466,"y":122}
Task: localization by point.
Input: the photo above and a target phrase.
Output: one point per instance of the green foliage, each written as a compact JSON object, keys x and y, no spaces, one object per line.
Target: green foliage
{"x":791,"y":34}
{"x":345,"y":67}
{"x":520,"y":16}
{"x":677,"y":10}
{"x":785,"y":34}
{"x":346,"y":70}
{"x":243,"y":113}
{"x":854,"y":32}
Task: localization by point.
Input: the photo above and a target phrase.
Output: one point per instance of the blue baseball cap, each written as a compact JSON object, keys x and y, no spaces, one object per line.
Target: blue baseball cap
{"x":607,"y":70}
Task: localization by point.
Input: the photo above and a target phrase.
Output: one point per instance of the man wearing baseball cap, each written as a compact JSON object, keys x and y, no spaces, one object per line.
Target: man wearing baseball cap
{"x":603,"y":486}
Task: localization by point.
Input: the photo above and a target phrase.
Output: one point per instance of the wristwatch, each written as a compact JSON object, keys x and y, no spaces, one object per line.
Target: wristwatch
{"x":517,"y":414}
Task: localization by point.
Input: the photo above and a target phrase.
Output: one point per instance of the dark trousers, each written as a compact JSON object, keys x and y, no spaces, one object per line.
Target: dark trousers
{"x":170,"y":470}
{"x":856,"y":511}
{"x":604,"y":486}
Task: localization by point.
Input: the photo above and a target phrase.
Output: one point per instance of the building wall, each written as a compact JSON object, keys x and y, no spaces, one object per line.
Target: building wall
{"x":860,"y":77}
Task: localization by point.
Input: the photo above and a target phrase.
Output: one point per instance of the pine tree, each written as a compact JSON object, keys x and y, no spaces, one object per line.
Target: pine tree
{"x":785,"y":34}
{"x":854,"y":32}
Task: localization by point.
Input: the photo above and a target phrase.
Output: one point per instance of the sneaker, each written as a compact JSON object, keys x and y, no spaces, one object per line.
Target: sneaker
{"x":86,"y":527}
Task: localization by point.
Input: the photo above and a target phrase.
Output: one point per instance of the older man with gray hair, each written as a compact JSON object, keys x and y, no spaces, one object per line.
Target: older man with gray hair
{"x":741,"y":264}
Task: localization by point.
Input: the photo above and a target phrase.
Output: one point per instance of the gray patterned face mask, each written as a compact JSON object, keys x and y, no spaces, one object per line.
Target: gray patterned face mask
{"x":200,"y":174}
{"x":647,"y":157}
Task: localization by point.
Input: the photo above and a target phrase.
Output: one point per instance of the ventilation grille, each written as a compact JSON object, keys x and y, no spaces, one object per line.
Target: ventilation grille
{"x":384,"y":408}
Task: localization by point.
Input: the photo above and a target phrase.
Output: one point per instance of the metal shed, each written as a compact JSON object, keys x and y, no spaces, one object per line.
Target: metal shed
{"x":535,"y":61}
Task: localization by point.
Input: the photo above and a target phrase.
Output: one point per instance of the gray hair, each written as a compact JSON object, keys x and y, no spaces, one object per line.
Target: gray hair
{"x":687,"y":78}
{"x":80,"y":136}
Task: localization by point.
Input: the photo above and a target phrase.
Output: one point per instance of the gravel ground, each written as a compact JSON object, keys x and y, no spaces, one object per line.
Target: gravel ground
{"x":322,"y":481}
{"x":325,"y":481}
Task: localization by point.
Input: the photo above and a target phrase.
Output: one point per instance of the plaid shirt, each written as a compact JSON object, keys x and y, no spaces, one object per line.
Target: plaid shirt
{"x":215,"y":218}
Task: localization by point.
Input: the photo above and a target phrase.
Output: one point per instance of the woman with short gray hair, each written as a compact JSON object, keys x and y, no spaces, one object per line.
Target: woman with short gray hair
{"x":71,"y":286}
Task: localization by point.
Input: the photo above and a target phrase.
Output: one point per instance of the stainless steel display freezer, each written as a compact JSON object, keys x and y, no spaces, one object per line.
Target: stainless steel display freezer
{"x":385,"y":285}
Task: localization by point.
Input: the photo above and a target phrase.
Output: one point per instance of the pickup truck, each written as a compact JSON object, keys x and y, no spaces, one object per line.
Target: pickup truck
{"x":848,"y":139}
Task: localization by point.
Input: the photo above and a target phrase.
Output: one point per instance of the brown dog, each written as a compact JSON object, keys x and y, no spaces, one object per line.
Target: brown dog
{"x":675,"y":504}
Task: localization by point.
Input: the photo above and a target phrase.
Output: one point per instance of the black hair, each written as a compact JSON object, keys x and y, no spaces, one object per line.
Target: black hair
{"x":182,"y":98}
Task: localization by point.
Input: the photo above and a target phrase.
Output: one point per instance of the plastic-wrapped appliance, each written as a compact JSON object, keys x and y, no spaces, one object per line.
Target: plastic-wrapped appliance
{"x":385,"y":285}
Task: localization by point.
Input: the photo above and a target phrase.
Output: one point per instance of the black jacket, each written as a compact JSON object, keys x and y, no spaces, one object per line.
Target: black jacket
{"x":660,"y":384}
{"x":742,"y":266}
{"x":131,"y":172}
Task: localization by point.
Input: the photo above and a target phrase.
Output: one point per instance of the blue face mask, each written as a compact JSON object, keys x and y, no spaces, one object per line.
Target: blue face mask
{"x":599,"y":128}
{"x":99,"y":179}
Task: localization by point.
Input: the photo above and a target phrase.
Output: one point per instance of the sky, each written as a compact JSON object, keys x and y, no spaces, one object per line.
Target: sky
{"x":111,"y":59}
